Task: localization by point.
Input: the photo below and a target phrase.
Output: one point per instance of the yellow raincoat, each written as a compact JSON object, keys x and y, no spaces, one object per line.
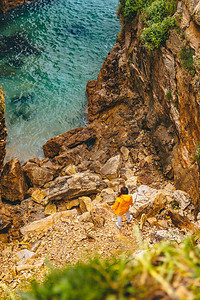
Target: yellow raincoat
{"x":122,"y":204}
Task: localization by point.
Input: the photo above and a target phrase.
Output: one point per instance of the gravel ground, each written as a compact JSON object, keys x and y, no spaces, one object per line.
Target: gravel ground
{"x":66,"y":242}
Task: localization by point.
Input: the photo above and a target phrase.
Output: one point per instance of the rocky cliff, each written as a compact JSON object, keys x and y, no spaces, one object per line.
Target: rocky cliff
{"x":142,"y":132}
{"x":168,"y":87}
{"x":161,"y":88}
{"x":150,"y":99}
{"x":142,"y":129}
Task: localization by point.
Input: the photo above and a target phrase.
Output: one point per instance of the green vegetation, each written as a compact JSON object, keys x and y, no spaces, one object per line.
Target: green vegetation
{"x":186,"y":55}
{"x":157,"y":16}
{"x":130,"y":8}
{"x":197,"y":155}
{"x":95,"y":280}
{"x":168,"y":95}
{"x":160,"y":270}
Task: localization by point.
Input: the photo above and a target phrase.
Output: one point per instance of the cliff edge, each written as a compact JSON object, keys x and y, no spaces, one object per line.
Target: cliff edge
{"x":167,"y":81}
{"x":152,"y":78}
{"x":142,"y":129}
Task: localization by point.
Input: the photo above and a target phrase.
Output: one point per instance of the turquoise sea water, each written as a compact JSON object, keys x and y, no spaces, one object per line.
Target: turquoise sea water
{"x":51,"y":50}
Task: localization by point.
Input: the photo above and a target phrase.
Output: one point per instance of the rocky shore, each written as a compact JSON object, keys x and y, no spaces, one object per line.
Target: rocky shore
{"x":6,"y":5}
{"x":135,"y":136}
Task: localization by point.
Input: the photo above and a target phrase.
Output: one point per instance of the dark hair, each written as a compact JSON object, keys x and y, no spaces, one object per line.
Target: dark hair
{"x":123,"y":191}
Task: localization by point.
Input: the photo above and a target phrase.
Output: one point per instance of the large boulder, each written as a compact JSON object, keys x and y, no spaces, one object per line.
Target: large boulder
{"x":37,"y":176}
{"x":72,"y":156}
{"x":45,"y":223}
{"x":11,"y":219}
{"x":111,"y":168}
{"x":150,"y":201}
{"x":68,"y":140}
{"x":77,"y":185}
{"x":12,"y":181}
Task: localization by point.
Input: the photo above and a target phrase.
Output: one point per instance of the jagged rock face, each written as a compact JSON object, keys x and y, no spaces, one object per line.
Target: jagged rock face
{"x":148,"y":99}
{"x":194,"y":9}
{"x":145,"y":107}
{"x":170,"y":95}
{"x":3,"y":130}
{"x":12,"y":181}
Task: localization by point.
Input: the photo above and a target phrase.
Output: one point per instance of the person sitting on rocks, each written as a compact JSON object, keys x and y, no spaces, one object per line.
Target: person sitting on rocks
{"x":121,"y":206}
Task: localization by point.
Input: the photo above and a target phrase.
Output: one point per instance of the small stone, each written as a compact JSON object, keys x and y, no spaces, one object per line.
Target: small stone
{"x":24,"y":255}
{"x":85,"y":204}
{"x":4,"y":238}
{"x":69,"y":170}
{"x":50,"y":209}
{"x":38,"y":196}
{"x":170,"y":187}
{"x":183,"y":293}
{"x":72,"y":203}
{"x":125,"y":152}
{"x":97,"y":200}
{"x":85,"y":217}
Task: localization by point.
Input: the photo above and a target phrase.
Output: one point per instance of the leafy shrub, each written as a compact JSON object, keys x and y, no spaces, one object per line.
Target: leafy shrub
{"x":157,"y":15}
{"x":92,"y":281}
{"x":156,"y":12}
{"x":130,"y":8}
{"x":159,"y":20}
{"x":157,"y":33}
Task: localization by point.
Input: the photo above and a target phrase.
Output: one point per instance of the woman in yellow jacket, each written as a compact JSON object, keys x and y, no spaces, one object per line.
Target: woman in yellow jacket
{"x":121,"y":206}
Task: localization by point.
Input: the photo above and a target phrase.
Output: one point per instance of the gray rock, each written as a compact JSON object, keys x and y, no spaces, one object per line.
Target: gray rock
{"x":77,"y":185}
{"x":182,"y":198}
{"x":44,"y":224}
{"x":24,"y":255}
{"x":85,"y":217}
{"x":109,"y":196}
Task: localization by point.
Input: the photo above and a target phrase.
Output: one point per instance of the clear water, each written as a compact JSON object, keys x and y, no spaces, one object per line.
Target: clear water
{"x":45,"y":89}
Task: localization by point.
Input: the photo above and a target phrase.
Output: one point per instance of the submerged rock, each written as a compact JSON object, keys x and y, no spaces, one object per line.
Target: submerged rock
{"x":77,"y":29}
{"x":25,"y":111}
{"x":7,"y":72}
{"x":16,"y":44}
{"x":15,"y":62}
{"x":23,"y":98}
{"x":23,"y":106}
